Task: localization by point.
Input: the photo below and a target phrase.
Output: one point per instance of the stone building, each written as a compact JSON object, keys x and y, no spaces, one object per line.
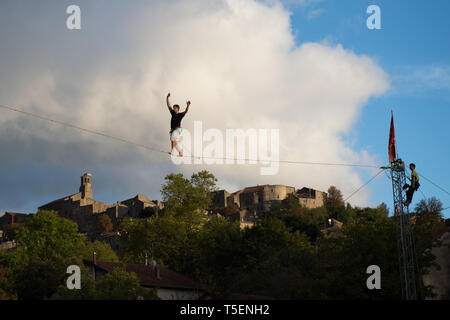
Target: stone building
{"x":13,"y":217}
{"x":83,"y":209}
{"x":9,"y":221}
{"x":310,"y":198}
{"x":253,"y":202}
{"x":220,"y":199}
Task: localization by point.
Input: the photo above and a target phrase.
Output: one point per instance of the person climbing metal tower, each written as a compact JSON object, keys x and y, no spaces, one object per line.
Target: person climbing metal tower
{"x":414,"y":184}
{"x":175,"y":125}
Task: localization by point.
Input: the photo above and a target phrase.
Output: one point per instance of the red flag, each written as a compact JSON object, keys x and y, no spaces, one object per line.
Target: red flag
{"x":392,"y":153}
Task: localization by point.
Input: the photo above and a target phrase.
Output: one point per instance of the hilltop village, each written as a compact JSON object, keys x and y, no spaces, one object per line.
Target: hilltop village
{"x":245,"y":206}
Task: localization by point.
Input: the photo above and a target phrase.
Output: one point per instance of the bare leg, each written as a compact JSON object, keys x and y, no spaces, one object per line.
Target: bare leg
{"x":180,"y":152}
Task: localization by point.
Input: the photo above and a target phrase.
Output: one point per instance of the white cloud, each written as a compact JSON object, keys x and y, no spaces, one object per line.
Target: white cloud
{"x":420,"y":79}
{"x":235,"y":60}
{"x":315,"y":13}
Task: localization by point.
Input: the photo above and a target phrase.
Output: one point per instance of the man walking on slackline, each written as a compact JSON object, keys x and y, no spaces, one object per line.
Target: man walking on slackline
{"x":175,"y":125}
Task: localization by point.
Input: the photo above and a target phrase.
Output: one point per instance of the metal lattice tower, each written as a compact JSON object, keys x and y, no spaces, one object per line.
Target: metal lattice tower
{"x":405,"y":241}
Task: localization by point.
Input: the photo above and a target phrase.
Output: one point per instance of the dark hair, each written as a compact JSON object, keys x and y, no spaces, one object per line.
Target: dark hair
{"x":413,"y":165}
{"x":176,"y":106}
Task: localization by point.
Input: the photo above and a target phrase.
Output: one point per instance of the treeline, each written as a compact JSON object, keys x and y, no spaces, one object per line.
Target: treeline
{"x":36,"y":269}
{"x":284,"y":256}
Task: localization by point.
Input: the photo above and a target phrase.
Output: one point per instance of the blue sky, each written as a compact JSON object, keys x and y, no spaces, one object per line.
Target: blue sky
{"x":126,"y":57}
{"x":413,"y":47}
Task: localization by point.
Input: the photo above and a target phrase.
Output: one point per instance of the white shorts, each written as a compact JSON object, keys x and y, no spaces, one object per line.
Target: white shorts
{"x":175,"y":135}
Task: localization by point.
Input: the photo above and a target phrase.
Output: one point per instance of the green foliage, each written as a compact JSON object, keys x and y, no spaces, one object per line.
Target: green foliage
{"x":384,"y":208}
{"x":427,"y":221}
{"x":334,"y":198}
{"x":189,"y":199}
{"x":88,"y":289}
{"x":104,"y":224}
{"x":216,"y":257}
{"x":268,"y":259}
{"x":48,"y":245}
{"x":276,"y":259}
{"x":39,"y":279}
{"x":290,"y":205}
{"x":116,"y":285}
{"x":47,"y":236}
{"x":11,"y":230}
{"x":283,"y":256}
{"x":369,"y":239}
{"x":102,"y":250}
{"x":304,"y":224}
{"x":122,"y":285}
{"x":7,"y":291}
{"x":164,"y":238}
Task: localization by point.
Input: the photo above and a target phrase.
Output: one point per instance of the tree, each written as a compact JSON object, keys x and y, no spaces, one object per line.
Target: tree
{"x":369,"y":238}
{"x":39,"y":279}
{"x":304,"y":224}
{"x":431,"y":210}
{"x":334,"y":198}
{"x":288,"y":206}
{"x":6,"y":287}
{"x":427,"y":221}
{"x":116,"y":285}
{"x":48,"y":245}
{"x":46,"y":235}
{"x":216,"y":256}
{"x":163,"y":238}
{"x":122,"y":285}
{"x":104,"y":224}
{"x":87,"y":292}
{"x":384,"y":208}
{"x":103,"y":251}
{"x":189,"y":199}
{"x":290,"y":203}
{"x":11,"y":230}
{"x":276,"y":261}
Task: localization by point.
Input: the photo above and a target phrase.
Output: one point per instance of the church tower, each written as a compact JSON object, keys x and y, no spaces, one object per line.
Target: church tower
{"x":86,"y":186}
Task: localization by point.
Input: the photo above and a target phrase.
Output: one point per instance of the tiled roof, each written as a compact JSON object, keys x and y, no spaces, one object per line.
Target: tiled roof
{"x":437,"y":234}
{"x":253,"y":189}
{"x":147,"y":277}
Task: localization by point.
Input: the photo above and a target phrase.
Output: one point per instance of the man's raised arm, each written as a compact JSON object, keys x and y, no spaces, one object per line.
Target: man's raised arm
{"x":168,"y":102}
{"x":187,"y":106}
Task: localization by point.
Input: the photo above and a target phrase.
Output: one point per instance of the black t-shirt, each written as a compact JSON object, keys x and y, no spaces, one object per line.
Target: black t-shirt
{"x":175,"y":122}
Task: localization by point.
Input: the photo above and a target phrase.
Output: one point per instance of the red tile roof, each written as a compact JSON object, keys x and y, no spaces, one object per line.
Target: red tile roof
{"x":253,"y":189}
{"x":438,"y":233}
{"x":147,"y":277}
